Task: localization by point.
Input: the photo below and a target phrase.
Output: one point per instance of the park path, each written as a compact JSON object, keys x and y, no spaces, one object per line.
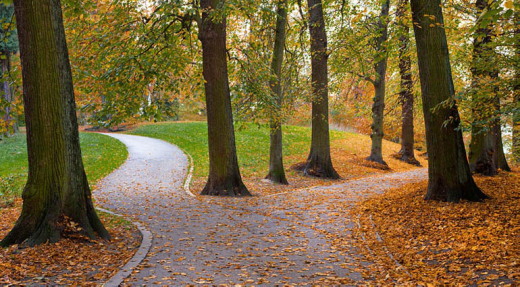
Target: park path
{"x":270,"y":240}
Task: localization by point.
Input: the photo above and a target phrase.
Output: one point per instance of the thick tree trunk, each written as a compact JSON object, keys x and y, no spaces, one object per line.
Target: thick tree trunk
{"x":77,"y":198}
{"x":448,"y":170}
{"x":486,"y":153}
{"x":319,"y":163}
{"x":482,"y":152}
{"x":57,"y":191}
{"x":224,"y":175}
{"x":406,"y":97}
{"x":482,"y":149}
{"x":378,"y":107}
{"x":276,"y":169}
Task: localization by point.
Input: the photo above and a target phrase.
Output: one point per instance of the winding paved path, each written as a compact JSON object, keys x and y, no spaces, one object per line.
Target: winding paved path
{"x":260,"y":240}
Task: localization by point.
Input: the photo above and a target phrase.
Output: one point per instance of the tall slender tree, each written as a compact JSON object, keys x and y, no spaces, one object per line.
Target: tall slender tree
{"x":319,"y":162}
{"x":57,"y":192}
{"x":406,"y":96}
{"x":8,"y":46}
{"x":224,"y":175}
{"x":378,"y":107}
{"x":486,"y":153}
{"x":276,"y":169}
{"x":516,"y":85}
{"x":449,"y":176}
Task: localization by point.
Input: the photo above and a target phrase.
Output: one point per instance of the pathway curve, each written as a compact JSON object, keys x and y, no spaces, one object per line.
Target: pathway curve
{"x":268,"y":240}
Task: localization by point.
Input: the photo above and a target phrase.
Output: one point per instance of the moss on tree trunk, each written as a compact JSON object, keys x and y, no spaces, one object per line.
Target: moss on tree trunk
{"x":57,"y":191}
{"x":449,"y":177}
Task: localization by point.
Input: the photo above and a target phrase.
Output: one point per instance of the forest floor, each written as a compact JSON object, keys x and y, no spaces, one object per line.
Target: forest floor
{"x":430,"y":243}
{"x":330,"y":233}
{"x":71,"y":261}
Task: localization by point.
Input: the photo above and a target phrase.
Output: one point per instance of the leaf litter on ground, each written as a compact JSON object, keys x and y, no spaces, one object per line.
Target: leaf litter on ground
{"x":431,"y":243}
{"x":75,"y":260}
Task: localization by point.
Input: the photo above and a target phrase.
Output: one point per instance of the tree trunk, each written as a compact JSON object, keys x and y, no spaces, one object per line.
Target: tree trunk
{"x":57,"y":192}
{"x":224,"y":175}
{"x":9,"y":125}
{"x":499,"y":155}
{"x":406,"y":97}
{"x":77,"y":199}
{"x":319,"y":163}
{"x":516,"y":87}
{"x":276,"y":169}
{"x":482,"y":148}
{"x":9,"y":47}
{"x":486,"y":153}
{"x":449,"y":177}
{"x":516,"y":129}
{"x":378,"y":107}
{"x":482,"y":152}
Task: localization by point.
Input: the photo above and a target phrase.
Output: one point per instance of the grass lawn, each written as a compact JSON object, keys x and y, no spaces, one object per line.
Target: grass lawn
{"x":348,"y":152}
{"x":101,"y":155}
{"x":252,"y":143}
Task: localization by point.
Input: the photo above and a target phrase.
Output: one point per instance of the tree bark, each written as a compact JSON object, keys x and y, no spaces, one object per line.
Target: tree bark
{"x":499,"y":155}
{"x":486,"y":153}
{"x":319,"y":162}
{"x":57,"y":191}
{"x":9,"y":47}
{"x":482,"y":152}
{"x":378,"y":107}
{"x":224,"y":175}
{"x":406,"y":96}
{"x":9,"y":126}
{"x":276,"y":170}
{"x":77,"y":199}
{"x":516,"y":87}
{"x":449,"y":177}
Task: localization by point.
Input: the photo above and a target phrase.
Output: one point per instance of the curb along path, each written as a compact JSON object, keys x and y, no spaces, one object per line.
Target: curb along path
{"x":255,"y":241}
{"x":140,"y":187}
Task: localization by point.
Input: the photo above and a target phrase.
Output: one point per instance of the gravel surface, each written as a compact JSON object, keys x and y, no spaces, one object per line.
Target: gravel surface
{"x":270,"y":240}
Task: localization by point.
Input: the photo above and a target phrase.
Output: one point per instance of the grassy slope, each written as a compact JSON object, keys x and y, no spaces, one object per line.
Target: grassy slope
{"x":348,"y":150}
{"x":252,"y":143}
{"x":101,"y":155}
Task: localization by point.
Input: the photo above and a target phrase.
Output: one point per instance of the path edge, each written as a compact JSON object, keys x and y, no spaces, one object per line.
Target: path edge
{"x":189,"y":175}
{"x":191,"y":163}
{"x":144,"y":248}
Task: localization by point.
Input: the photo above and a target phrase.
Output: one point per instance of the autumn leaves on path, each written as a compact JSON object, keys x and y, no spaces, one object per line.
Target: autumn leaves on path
{"x":285,"y":238}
